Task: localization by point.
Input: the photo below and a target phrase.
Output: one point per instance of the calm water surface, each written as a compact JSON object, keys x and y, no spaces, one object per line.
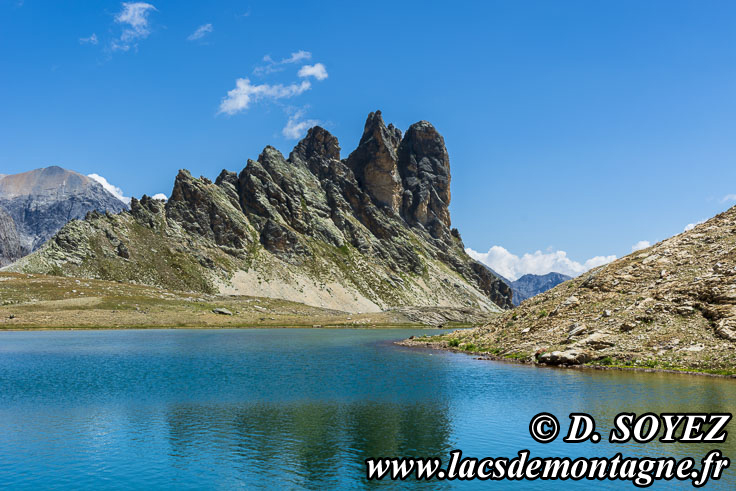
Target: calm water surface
{"x":296,"y":409}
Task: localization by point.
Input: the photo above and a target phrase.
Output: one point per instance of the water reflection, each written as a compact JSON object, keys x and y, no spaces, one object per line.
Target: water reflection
{"x":310,"y":444}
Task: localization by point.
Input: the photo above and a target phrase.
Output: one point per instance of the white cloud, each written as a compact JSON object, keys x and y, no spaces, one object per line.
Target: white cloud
{"x":296,"y":126}
{"x":642,"y":244}
{"x":245,"y":93}
{"x":317,"y":71}
{"x":114,"y":190}
{"x":160,"y":196}
{"x":275,"y":66}
{"x":512,"y":266}
{"x":90,"y":40}
{"x":691,"y":226}
{"x":201,"y":32}
{"x":134,"y":16}
{"x":728,"y":197}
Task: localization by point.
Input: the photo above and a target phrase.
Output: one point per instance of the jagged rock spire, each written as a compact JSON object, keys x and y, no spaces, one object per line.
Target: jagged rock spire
{"x":318,"y":143}
{"x":424,"y":166}
{"x":374,"y":162}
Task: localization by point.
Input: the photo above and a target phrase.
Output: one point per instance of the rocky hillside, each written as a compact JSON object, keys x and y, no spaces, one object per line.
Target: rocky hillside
{"x":531,"y":285}
{"x":10,"y":249}
{"x":34,"y":205}
{"x":365,"y":233}
{"x":671,"y":306}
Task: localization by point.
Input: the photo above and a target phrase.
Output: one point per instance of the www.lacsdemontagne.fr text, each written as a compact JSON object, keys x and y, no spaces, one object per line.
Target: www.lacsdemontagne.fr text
{"x":641,"y":471}
{"x":544,"y":428}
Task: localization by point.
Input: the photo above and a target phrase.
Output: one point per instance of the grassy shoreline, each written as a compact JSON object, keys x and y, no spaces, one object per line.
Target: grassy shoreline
{"x":38,"y":302}
{"x":524,"y":360}
{"x":204,"y":327}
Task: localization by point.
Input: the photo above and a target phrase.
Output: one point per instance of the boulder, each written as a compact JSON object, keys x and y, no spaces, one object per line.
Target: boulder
{"x":569,"y":357}
{"x":221,"y":311}
{"x":726,"y":330}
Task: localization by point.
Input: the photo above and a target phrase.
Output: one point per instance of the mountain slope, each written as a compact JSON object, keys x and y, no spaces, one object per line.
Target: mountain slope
{"x":366,"y":233}
{"x":672,"y":305}
{"x":10,"y":249}
{"x":41,"y":201}
{"x":531,"y":285}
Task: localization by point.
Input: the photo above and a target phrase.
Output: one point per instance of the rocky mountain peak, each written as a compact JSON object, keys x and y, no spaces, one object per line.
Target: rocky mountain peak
{"x":409,"y":175}
{"x":192,"y":206}
{"x":374,"y":162}
{"x":425,"y":169}
{"x":319,"y":143}
{"x":183,"y":177}
{"x":45,"y":181}
{"x":367,"y":232}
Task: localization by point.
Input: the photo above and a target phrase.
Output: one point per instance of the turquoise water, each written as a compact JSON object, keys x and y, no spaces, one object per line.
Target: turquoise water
{"x":296,"y":409}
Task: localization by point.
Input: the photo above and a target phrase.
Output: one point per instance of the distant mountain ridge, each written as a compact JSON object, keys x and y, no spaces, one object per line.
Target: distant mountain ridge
{"x":364,"y":233}
{"x":530,"y":285}
{"x":34,"y":205}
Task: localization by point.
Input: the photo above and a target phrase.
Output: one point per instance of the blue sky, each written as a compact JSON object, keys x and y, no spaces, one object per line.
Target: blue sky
{"x":575,"y":126}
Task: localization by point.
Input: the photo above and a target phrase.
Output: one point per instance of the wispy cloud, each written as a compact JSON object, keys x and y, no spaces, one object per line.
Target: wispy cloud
{"x":114,"y":190}
{"x":89,"y":40}
{"x":245,"y":93}
{"x":201,"y":32}
{"x":275,"y":66}
{"x":296,"y":126}
{"x":134,"y":17}
{"x":513,"y":267}
{"x":317,"y":71}
{"x":728,"y":198}
{"x":642,"y":244}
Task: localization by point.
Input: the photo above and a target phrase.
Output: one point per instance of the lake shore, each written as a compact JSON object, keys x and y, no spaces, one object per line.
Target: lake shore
{"x":232,"y":327}
{"x":441,"y":345}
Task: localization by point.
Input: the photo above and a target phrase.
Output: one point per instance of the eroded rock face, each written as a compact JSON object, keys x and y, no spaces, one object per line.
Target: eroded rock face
{"x":374,"y":162}
{"x":10,"y":249}
{"x":194,"y":204}
{"x":319,"y":143}
{"x":425,"y":171}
